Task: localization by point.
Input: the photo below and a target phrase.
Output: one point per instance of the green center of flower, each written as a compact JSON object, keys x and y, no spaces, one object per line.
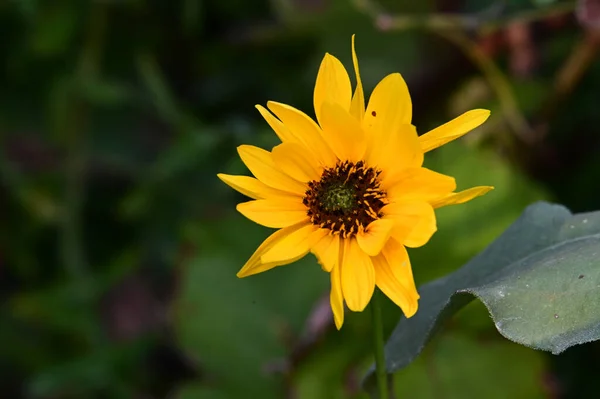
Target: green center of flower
{"x":346,"y":199}
{"x":338,"y":197}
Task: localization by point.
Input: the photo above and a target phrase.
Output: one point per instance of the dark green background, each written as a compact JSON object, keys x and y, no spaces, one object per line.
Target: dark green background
{"x":119,"y":246}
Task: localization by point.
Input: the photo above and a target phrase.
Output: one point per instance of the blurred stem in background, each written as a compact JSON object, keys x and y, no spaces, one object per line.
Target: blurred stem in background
{"x":378,"y":345}
{"x":497,"y":80}
{"x":459,"y":30}
{"x":71,"y":123}
{"x":484,"y":22}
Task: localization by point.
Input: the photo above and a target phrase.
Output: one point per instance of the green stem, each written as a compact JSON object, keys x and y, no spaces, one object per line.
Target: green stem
{"x":380,"y":369}
{"x":71,"y":123}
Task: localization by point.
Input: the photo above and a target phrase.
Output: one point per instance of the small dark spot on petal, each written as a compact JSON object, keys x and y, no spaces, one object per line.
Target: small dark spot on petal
{"x":555,"y":316}
{"x":581,"y":276}
{"x":374,"y":113}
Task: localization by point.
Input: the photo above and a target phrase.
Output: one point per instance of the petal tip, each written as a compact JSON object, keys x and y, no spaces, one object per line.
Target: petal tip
{"x":338,"y":323}
{"x":485,"y":113}
{"x":408,"y":313}
{"x":245,"y":271}
{"x":272,"y":103}
{"x":243,"y":148}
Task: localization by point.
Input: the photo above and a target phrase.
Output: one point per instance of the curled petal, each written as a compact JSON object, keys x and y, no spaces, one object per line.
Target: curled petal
{"x":357,"y":106}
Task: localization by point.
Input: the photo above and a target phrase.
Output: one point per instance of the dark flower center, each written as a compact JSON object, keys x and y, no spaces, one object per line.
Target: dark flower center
{"x":346,"y":198}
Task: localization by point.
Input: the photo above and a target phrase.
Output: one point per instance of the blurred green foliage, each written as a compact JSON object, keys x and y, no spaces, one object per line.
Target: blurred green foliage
{"x":119,"y":247}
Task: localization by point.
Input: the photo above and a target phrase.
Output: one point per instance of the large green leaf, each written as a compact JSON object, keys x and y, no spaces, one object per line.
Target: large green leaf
{"x":539,"y":280}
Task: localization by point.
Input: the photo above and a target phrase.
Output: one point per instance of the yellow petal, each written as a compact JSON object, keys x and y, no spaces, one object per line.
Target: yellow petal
{"x":297,"y":162}
{"x":342,"y":132}
{"x":336,"y":298}
{"x":389,"y":105}
{"x":419,"y":184}
{"x":375,"y":236}
{"x":305,"y":130}
{"x":461,"y":197}
{"x":327,"y":251}
{"x":454,"y":129}
{"x":254,"y":264}
{"x":357,"y":107}
{"x":332,"y":85}
{"x":260,"y":163}
{"x":294,"y":245}
{"x":276,"y":212}
{"x":358,"y":276}
{"x":414,"y":222}
{"x":394,"y":278}
{"x":393,"y":151}
{"x":282,"y":132}
{"x":250,"y":187}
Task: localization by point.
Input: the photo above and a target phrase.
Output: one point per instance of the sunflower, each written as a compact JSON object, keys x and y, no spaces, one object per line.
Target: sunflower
{"x":351,"y":188}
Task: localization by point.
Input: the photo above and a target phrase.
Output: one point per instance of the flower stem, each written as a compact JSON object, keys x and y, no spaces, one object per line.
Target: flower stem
{"x":380,"y":369}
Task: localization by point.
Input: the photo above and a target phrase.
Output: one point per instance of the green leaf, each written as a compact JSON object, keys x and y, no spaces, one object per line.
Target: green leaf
{"x":539,"y":281}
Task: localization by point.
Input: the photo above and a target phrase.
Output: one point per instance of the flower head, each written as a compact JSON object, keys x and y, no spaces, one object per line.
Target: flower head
{"x":351,"y":188}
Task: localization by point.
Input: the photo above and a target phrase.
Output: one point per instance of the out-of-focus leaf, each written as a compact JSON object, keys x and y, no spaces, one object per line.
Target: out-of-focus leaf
{"x":189,"y":153}
{"x":457,"y":366}
{"x":103,"y":92}
{"x":155,"y":83}
{"x":332,"y":370}
{"x":100,"y":370}
{"x":53,"y":31}
{"x":539,"y":280}
{"x":191,"y":15}
{"x":55,"y":307}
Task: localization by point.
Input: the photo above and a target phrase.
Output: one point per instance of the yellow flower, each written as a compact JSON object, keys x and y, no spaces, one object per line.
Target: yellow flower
{"x":350,"y":189}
